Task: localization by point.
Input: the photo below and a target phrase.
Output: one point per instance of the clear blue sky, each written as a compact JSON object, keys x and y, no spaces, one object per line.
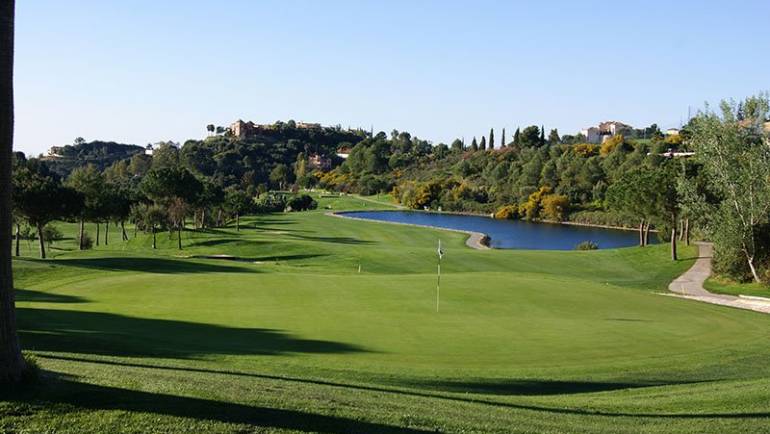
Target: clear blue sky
{"x":139,"y":71}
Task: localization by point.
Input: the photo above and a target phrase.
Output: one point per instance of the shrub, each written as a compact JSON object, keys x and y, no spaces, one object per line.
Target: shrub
{"x":585,"y":149}
{"x":269,"y":203}
{"x":587,"y":245}
{"x":555,"y":206}
{"x":507,"y":212}
{"x":51,"y":233}
{"x":301,"y":203}
{"x":88,"y":242}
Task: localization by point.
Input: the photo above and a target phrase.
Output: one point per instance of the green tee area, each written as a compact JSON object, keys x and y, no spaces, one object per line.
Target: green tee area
{"x":291,"y":337}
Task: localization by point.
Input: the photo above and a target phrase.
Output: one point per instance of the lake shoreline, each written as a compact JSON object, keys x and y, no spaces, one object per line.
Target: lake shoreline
{"x":490,"y":216}
{"x":475,"y":240}
{"x":493,"y":235}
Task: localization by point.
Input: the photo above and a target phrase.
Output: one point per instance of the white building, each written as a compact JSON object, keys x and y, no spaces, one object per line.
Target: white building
{"x":592,"y":134}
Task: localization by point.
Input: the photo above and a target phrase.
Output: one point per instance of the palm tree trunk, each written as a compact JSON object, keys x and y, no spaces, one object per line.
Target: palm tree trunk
{"x":179,"y":237}
{"x":18,"y":239}
{"x":82,"y":233}
{"x":154,"y":240}
{"x":97,"y":233}
{"x":42,"y":241}
{"x":203,"y":218}
{"x":11,"y":361}
{"x":123,"y":230}
{"x":641,"y":233}
{"x":687,"y":232}
{"x":106,"y":233}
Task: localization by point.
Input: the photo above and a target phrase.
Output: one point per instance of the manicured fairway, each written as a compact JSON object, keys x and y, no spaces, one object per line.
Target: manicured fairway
{"x":290,"y":336}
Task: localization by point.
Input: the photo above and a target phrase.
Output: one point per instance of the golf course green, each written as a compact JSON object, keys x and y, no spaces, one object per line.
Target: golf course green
{"x":286,"y":334}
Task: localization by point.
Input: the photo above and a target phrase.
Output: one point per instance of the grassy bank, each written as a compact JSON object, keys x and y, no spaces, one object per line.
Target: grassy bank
{"x":289,"y":336}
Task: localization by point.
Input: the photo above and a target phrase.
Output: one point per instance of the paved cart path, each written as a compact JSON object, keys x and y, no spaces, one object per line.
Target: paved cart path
{"x":690,"y":285}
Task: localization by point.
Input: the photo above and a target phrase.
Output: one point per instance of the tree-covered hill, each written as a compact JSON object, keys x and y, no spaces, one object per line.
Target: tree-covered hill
{"x":64,"y":159}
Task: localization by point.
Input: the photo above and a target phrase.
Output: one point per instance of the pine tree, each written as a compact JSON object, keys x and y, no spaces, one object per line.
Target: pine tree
{"x":553,"y":137}
{"x":474,"y":145}
{"x":516,"y":137}
{"x":483,"y":144}
{"x":492,"y":138}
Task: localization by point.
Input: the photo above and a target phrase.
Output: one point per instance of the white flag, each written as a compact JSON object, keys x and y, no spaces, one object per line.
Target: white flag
{"x":440,"y":252}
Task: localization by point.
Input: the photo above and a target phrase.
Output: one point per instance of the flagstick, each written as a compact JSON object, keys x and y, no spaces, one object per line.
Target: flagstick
{"x":438,"y":284}
{"x":438,"y":276}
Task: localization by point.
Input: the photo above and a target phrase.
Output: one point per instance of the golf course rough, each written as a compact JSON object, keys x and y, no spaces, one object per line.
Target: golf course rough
{"x":289,"y":336}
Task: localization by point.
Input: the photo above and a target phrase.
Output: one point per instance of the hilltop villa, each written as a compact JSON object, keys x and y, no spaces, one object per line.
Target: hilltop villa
{"x":605,"y":130}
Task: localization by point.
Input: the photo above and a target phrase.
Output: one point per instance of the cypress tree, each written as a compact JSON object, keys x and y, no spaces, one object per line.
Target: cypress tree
{"x":516,"y":137}
{"x":474,"y":145}
{"x":492,"y":138}
{"x":483,"y":144}
{"x":542,"y":136}
{"x":502,"y":139}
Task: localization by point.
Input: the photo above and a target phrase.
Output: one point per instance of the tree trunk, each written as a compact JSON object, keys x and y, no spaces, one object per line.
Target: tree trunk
{"x":179,"y":237}
{"x":18,"y":239}
{"x":97,"y":233}
{"x":154,"y":240}
{"x":647,"y":233}
{"x":203,"y":218}
{"x":11,"y":361}
{"x":687,"y":232}
{"x":673,"y":243}
{"x":82,"y":233}
{"x":42,"y":241}
{"x":750,"y":260}
{"x":641,"y":233}
{"x":106,"y":233}
{"x":237,"y":222}
{"x":123,"y":230}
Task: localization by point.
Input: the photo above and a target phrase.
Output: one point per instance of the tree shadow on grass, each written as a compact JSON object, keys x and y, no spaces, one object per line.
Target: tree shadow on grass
{"x":28,"y":295}
{"x":225,"y":241}
{"x":151,"y":265}
{"x":266,"y":258}
{"x":334,"y":240}
{"x":70,"y":331}
{"x":58,"y":394}
{"x":463,"y":398}
{"x":536,"y":387}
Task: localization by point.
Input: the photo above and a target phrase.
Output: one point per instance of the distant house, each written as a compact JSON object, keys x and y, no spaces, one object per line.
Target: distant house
{"x":604,"y":131}
{"x":592,"y":134}
{"x":319,"y":162}
{"x":343,"y":153}
{"x":54,"y":152}
{"x":244,"y":130}
{"x":308,"y":125}
{"x":672,"y":132}
{"x":148,"y":149}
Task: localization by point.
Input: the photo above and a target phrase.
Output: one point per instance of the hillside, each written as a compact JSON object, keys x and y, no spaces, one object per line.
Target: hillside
{"x":64,"y":159}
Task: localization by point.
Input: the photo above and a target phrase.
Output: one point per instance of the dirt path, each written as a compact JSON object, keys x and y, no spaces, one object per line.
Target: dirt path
{"x":690,"y":285}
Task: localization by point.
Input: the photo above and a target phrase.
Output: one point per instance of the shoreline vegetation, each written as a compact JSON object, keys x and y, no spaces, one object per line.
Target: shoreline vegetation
{"x":491,"y":216}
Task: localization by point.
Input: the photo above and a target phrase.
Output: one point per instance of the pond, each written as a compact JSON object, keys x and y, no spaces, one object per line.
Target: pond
{"x":511,"y":234}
